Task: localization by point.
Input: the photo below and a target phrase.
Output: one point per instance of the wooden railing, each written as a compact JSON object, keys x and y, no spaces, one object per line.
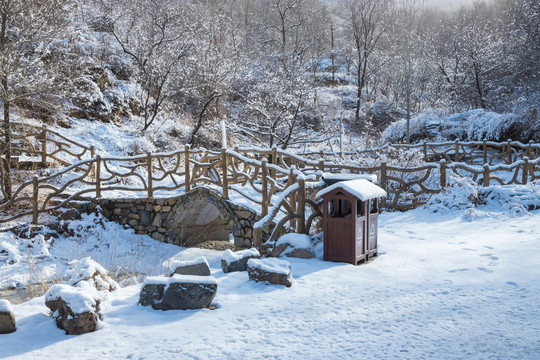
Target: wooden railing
{"x":471,"y":152}
{"x":46,"y":145}
{"x":283,"y":185}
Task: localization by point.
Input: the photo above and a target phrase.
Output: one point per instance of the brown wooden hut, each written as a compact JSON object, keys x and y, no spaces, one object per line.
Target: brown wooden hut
{"x":350,"y":220}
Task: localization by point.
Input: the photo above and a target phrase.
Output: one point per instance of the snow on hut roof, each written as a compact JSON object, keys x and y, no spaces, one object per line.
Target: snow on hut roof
{"x":361,"y":188}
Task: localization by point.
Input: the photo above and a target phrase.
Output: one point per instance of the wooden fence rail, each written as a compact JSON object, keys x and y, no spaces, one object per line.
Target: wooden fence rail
{"x":282,"y":184}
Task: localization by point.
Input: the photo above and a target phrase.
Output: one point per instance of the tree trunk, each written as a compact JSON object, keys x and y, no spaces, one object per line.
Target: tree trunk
{"x":5,"y":162}
{"x":6,"y":151}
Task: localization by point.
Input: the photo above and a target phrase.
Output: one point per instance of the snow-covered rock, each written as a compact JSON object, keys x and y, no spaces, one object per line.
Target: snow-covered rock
{"x":76,"y":309}
{"x":294,"y":245}
{"x":7,"y":318}
{"x":179,"y":292}
{"x":198,"y":266}
{"x":93,"y":274}
{"x":271,"y":271}
{"x":237,"y":261}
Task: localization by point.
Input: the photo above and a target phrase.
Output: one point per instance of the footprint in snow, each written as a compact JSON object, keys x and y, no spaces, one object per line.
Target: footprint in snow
{"x":469,"y":249}
{"x":512,"y":283}
{"x":458,"y":270}
{"x":485,"y":270}
{"x":491,"y":257}
{"x":488,"y":247}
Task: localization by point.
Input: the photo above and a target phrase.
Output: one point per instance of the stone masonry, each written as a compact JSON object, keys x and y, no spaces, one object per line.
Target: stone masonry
{"x":186,"y":220}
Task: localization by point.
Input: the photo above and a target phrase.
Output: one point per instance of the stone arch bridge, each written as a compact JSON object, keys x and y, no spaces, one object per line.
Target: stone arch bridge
{"x":198,"y":216}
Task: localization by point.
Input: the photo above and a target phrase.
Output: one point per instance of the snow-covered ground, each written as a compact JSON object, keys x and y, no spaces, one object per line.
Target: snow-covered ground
{"x":445,"y":286}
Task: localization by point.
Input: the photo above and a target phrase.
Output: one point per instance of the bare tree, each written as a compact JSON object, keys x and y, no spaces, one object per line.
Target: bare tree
{"x":28,"y":30}
{"x":365,"y":23}
{"x":158,"y":36}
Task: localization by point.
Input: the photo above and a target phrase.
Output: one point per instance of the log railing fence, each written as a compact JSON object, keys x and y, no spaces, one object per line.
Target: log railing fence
{"x":282,"y":184}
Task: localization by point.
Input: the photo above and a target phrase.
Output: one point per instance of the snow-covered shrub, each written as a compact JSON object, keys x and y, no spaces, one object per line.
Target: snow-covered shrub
{"x":461,"y":193}
{"x":473,"y":125}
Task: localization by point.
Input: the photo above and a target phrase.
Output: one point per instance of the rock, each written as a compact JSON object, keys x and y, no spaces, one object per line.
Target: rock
{"x":237,"y":261}
{"x":197,"y":267}
{"x":271,"y":271}
{"x":91,"y":273}
{"x":76,"y":309}
{"x":152,"y":291}
{"x":179,"y":292}
{"x":7,"y":318}
{"x":294,"y":245}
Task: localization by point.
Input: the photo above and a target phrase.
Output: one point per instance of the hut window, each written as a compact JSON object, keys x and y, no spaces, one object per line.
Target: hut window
{"x":360,"y":208}
{"x":339,"y":208}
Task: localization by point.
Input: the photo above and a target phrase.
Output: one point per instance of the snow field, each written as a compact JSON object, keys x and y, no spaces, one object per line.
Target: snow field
{"x":443,"y":287}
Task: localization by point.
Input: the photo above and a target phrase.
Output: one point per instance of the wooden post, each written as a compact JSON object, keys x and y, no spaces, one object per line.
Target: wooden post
{"x":301,"y":205}
{"x":486,"y":175}
{"x":456,"y":155}
{"x":525,"y":174}
{"x":274,"y":161}
{"x":150,"y":171}
{"x":35,"y":200}
{"x":264,"y":175}
{"x":292,"y":223}
{"x":383,"y":182}
{"x":187,"y":173}
{"x":509,"y":150}
{"x":224,"y":174}
{"x":484,"y":150}
{"x":43,"y":146}
{"x":92,"y":154}
{"x":321,"y":165}
{"x":443,"y":173}
{"x":98,"y":176}
{"x":529,"y":149}
{"x":257,"y":238}
{"x":425,"y":152}
{"x":235,"y":159}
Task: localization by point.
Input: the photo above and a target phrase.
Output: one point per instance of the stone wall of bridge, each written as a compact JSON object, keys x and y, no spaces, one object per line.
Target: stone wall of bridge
{"x":199,"y":216}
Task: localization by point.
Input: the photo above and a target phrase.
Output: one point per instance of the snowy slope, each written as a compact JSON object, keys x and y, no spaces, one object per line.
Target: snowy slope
{"x":443,"y":287}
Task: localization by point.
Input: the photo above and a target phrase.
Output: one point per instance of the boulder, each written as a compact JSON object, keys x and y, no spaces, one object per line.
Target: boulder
{"x":237,"y":261}
{"x":7,"y":318}
{"x":197,"y":267}
{"x":270,"y":271}
{"x":294,"y":245}
{"x":88,"y":272}
{"x":76,"y":309}
{"x":178,"y":292}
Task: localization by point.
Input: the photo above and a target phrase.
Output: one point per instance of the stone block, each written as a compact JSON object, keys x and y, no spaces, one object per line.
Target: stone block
{"x":179,"y":292}
{"x":76,"y":309}
{"x":237,"y":261}
{"x":158,"y":236}
{"x":7,"y":318}
{"x":271,"y":271}
{"x":157,"y":208}
{"x":145,"y":218}
{"x":157,"y":220}
{"x":166,"y":209}
{"x":133,"y":222}
{"x":198,"y":267}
